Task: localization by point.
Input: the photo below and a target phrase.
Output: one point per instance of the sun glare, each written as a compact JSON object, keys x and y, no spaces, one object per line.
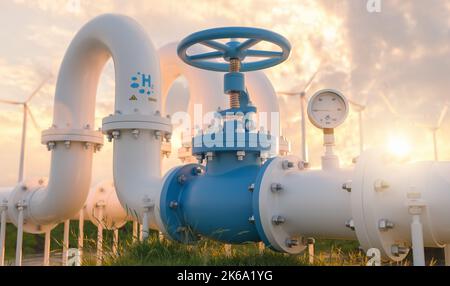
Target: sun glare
{"x":399,"y":145}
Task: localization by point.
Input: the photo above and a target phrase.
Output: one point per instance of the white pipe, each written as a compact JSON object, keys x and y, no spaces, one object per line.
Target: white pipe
{"x":417,"y":241}
{"x":19,"y":240}
{"x":47,"y":248}
{"x":65,"y":252}
{"x":127,"y":43}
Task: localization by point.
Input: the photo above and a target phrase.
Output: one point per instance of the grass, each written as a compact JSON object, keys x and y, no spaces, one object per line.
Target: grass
{"x":154,"y":252}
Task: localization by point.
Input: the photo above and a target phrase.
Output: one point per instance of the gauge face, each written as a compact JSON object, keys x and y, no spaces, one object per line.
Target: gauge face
{"x":327,"y":109}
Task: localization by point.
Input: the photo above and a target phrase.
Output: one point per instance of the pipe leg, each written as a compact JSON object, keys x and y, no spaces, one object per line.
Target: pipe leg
{"x":261,"y":247}
{"x":311,"y":242}
{"x":100,"y":237}
{"x":115,"y":246}
{"x":65,"y":255}
{"x":145,"y":226}
{"x":417,"y":241}
{"x":135,"y":230}
{"x":47,"y":248}
{"x":2,"y":235}
{"x":81,"y":234}
{"x":447,"y":255}
{"x":19,"y":236}
{"x":228,"y":250}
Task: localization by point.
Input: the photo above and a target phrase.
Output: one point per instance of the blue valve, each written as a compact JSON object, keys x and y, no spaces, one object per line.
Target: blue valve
{"x":216,"y":200}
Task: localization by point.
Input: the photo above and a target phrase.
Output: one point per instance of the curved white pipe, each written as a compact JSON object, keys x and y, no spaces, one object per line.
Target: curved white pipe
{"x":72,"y":137}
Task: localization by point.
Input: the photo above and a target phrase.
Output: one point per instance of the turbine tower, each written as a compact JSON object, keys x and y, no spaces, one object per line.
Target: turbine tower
{"x":26,"y":112}
{"x":302,"y":95}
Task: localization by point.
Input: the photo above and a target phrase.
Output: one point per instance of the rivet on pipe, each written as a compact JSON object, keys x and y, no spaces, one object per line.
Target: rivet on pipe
{"x":87,"y":145}
{"x":51,"y":145}
{"x":251,"y":188}
{"x":182,"y":179}
{"x":251,"y":219}
{"x":380,"y":185}
{"x":135,"y":133}
{"x":398,"y":250}
{"x":209,"y":156}
{"x":197,"y":171}
{"x":116,"y":134}
{"x":240,"y":155}
{"x":277,"y":220}
{"x":276,"y":187}
{"x":291,"y":242}
{"x":286,"y":164}
{"x":347,"y":186}
{"x":173,"y":205}
{"x":67,"y":144}
{"x":350,"y":224}
{"x":384,"y":225}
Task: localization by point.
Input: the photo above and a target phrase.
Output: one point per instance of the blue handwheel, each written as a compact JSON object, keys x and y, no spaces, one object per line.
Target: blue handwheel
{"x":234,"y":49}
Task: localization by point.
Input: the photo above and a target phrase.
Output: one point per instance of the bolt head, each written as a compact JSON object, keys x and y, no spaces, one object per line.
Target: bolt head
{"x":286,"y":164}
{"x":277,"y":220}
{"x":350,"y":224}
{"x":251,"y":188}
{"x":276,"y":187}
{"x":384,"y":225}
{"x":173,"y":205}
{"x":251,"y":219}
{"x":292,"y":242}
{"x":182,"y":179}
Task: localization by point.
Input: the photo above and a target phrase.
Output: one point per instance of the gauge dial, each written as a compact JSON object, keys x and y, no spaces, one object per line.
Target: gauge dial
{"x":327,"y":109}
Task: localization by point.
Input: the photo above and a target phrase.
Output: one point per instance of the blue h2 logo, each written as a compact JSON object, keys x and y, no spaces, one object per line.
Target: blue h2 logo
{"x":141,"y":83}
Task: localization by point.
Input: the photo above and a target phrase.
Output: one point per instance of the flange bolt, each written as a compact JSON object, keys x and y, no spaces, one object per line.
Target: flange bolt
{"x":384,"y":224}
{"x":350,"y":224}
{"x":277,"y":220}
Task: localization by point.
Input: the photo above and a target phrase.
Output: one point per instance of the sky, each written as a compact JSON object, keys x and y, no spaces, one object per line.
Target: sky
{"x":367,"y":49}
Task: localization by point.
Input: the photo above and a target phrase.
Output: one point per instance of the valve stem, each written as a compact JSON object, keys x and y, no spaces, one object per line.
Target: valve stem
{"x":235,"y":66}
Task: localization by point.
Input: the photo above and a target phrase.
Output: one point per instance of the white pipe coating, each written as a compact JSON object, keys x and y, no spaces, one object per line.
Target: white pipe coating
{"x":417,"y":241}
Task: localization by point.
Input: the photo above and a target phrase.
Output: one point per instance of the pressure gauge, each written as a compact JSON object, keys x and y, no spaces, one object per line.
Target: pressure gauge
{"x":327,"y":109}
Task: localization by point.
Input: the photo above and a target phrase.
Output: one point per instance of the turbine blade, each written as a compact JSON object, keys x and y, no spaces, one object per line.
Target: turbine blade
{"x":38,"y":88}
{"x":355,"y":104}
{"x":388,"y":104}
{"x":35,"y":124}
{"x":442,"y":115}
{"x":10,"y":102}
{"x":310,"y":81}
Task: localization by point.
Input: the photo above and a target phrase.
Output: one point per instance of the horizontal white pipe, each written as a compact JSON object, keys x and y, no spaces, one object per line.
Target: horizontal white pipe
{"x":315,"y":205}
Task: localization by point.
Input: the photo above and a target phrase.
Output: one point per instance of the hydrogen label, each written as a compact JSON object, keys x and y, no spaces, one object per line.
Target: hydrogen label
{"x":142,"y":87}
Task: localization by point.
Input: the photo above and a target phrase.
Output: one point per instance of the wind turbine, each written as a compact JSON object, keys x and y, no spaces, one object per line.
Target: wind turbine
{"x":302,"y":95}
{"x":435,"y":128}
{"x":26,"y":112}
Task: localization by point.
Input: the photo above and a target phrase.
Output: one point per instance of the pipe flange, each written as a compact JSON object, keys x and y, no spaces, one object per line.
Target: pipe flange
{"x":21,"y":196}
{"x":270,"y":225}
{"x":68,"y":135}
{"x":373,"y":226}
{"x":104,"y":196}
{"x":136,"y":121}
{"x":171,"y":212}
